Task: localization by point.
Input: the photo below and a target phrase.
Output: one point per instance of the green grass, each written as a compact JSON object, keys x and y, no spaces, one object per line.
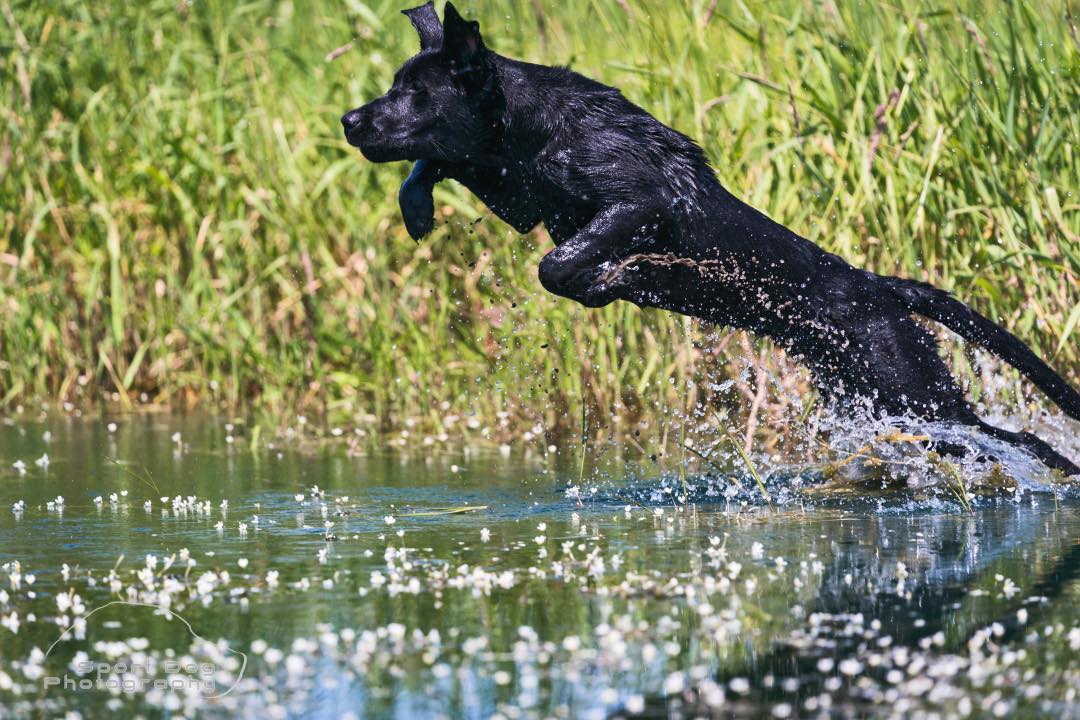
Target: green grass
{"x":182,"y":223}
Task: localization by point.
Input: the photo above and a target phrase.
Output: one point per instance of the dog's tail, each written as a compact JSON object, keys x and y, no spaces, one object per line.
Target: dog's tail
{"x":938,"y":305}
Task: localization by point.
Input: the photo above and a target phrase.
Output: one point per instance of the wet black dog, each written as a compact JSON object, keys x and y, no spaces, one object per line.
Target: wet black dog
{"x":637,"y":214}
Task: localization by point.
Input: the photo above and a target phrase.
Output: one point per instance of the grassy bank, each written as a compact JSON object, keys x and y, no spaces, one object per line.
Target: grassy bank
{"x":182,"y":223}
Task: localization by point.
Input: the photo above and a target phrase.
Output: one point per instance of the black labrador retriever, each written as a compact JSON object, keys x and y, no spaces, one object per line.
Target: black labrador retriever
{"x":637,"y":214}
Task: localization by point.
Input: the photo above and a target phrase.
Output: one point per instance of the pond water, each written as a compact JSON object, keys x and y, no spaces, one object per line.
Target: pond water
{"x":183,"y":574}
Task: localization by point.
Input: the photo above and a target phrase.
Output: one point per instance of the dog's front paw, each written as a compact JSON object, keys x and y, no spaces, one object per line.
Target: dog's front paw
{"x":417,"y":207}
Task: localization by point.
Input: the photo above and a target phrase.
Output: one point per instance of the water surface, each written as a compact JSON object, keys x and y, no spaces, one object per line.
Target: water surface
{"x":314,"y":583}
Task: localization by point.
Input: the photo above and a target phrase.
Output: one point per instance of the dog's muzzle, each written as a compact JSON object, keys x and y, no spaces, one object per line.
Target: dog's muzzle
{"x":353,"y":122}
{"x":368,"y":131}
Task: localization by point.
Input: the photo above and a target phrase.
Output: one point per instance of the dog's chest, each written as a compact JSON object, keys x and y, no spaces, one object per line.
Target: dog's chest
{"x":563,"y":212}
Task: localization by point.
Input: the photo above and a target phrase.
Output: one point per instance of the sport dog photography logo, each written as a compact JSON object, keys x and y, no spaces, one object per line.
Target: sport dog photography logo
{"x":136,"y":677}
{"x":132,"y":667}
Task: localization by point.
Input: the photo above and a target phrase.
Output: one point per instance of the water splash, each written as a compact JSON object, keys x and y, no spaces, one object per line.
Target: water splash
{"x":889,"y":461}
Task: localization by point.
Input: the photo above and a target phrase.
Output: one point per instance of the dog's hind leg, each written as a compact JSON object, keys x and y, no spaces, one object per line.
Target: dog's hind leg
{"x":1025,"y":440}
{"x":861,"y":353}
{"x":894,"y":362}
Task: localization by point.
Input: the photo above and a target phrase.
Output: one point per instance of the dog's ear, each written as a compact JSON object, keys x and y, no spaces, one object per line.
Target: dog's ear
{"x":461,"y":37}
{"x":427,"y":24}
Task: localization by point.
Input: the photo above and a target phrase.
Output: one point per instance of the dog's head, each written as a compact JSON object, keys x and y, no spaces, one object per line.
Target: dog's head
{"x":442,"y":101}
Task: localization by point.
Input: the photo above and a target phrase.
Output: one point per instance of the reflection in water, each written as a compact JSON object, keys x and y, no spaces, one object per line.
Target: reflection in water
{"x":353,"y":589}
{"x":910,"y":587}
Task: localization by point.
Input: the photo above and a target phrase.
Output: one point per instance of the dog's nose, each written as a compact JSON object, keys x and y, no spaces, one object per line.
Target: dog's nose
{"x":351,"y":119}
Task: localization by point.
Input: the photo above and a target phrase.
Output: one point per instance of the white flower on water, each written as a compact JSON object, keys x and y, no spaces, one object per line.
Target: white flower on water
{"x":850,"y":667}
{"x":740,"y":685}
{"x":673,"y":684}
{"x":79,"y":662}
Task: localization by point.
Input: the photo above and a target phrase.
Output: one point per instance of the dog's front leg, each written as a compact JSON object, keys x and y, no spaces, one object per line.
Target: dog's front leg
{"x":574,"y":269}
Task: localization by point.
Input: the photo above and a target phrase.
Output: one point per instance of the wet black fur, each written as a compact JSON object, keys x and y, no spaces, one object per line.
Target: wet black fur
{"x":637,"y":214}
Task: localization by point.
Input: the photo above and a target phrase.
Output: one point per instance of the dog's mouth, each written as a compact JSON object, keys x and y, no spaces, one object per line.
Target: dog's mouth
{"x":354,"y":137}
{"x":381,"y":151}
{"x":379,"y":148}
